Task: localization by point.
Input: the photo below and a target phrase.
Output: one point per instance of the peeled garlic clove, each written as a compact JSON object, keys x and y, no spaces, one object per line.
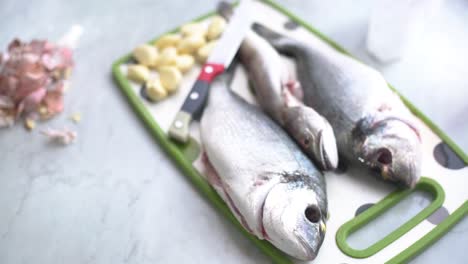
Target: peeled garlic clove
{"x":170,"y":78}
{"x":145,"y":54}
{"x":205,"y":51}
{"x":167,"y":40}
{"x":190,"y":44}
{"x":138,"y":73}
{"x":29,"y":124}
{"x":168,"y":57}
{"x":76,"y":117}
{"x":216,"y":27}
{"x":155,"y":90}
{"x":185,"y":62}
{"x":193,"y":29}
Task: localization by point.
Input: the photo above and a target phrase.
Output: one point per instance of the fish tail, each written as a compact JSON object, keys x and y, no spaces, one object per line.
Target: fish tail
{"x":280,"y":42}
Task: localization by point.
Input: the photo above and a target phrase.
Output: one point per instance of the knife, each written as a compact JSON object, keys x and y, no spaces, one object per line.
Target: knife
{"x":217,"y":63}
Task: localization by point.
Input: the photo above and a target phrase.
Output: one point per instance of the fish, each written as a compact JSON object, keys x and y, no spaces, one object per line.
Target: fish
{"x":276,"y":92}
{"x":269,"y":184}
{"x":372,"y":125}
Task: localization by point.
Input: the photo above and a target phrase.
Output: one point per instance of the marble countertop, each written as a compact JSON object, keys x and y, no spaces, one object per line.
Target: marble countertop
{"x":114,"y":196}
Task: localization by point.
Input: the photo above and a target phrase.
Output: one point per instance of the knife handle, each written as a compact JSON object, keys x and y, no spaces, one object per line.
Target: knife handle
{"x":196,"y":99}
{"x":194,"y":102}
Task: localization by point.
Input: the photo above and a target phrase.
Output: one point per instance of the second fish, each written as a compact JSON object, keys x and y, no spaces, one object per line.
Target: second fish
{"x":276,"y":93}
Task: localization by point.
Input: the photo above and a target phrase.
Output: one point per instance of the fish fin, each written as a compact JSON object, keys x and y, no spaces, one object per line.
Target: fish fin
{"x":288,"y":98}
{"x":211,"y":175}
{"x":216,"y":182}
{"x":295,"y":88}
{"x":267,"y":33}
{"x":280,"y":42}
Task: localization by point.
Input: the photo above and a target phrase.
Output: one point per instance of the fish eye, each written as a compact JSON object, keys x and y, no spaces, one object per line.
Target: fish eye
{"x":384,"y":156}
{"x":306,"y":141}
{"x":312,"y":213}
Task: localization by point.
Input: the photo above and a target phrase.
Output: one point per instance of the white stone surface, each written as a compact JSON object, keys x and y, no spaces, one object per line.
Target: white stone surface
{"x":114,"y":196}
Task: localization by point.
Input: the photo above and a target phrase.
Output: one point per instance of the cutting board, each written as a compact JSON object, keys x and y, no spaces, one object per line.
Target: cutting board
{"x":370,"y":221}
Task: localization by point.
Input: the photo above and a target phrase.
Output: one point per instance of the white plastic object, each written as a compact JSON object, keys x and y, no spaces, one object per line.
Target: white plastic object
{"x":392,"y":25}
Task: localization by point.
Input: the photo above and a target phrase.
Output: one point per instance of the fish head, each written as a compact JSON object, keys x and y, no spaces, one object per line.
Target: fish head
{"x":394,"y":150}
{"x":314,"y":134}
{"x":293,"y":221}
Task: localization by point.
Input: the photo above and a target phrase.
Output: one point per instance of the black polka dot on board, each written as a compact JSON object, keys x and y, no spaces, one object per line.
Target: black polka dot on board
{"x":290,"y":25}
{"x":363,"y":208}
{"x":438,"y":216}
{"x":447,"y":158}
{"x":144,"y":94}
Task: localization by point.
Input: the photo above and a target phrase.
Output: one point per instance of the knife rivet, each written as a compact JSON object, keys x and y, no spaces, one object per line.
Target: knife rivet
{"x":208,"y":69}
{"x":194,"y":96}
{"x":178,"y":124}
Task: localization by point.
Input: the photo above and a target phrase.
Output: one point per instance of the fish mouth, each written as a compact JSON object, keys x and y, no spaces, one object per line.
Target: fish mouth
{"x":385,"y":171}
{"x":327,"y":152}
{"x":323,"y":161}
{"x":326,"y":161}
{"x":309,"y":252}
{"x":388,"y":174}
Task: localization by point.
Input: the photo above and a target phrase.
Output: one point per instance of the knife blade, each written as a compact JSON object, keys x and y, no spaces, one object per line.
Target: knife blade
{"x":217,"y":63}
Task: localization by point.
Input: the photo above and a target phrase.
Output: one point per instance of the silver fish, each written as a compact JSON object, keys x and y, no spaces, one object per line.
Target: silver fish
{"x":371,"y":123}
{"x":275,"y":90}
{"x":272,"y":188}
